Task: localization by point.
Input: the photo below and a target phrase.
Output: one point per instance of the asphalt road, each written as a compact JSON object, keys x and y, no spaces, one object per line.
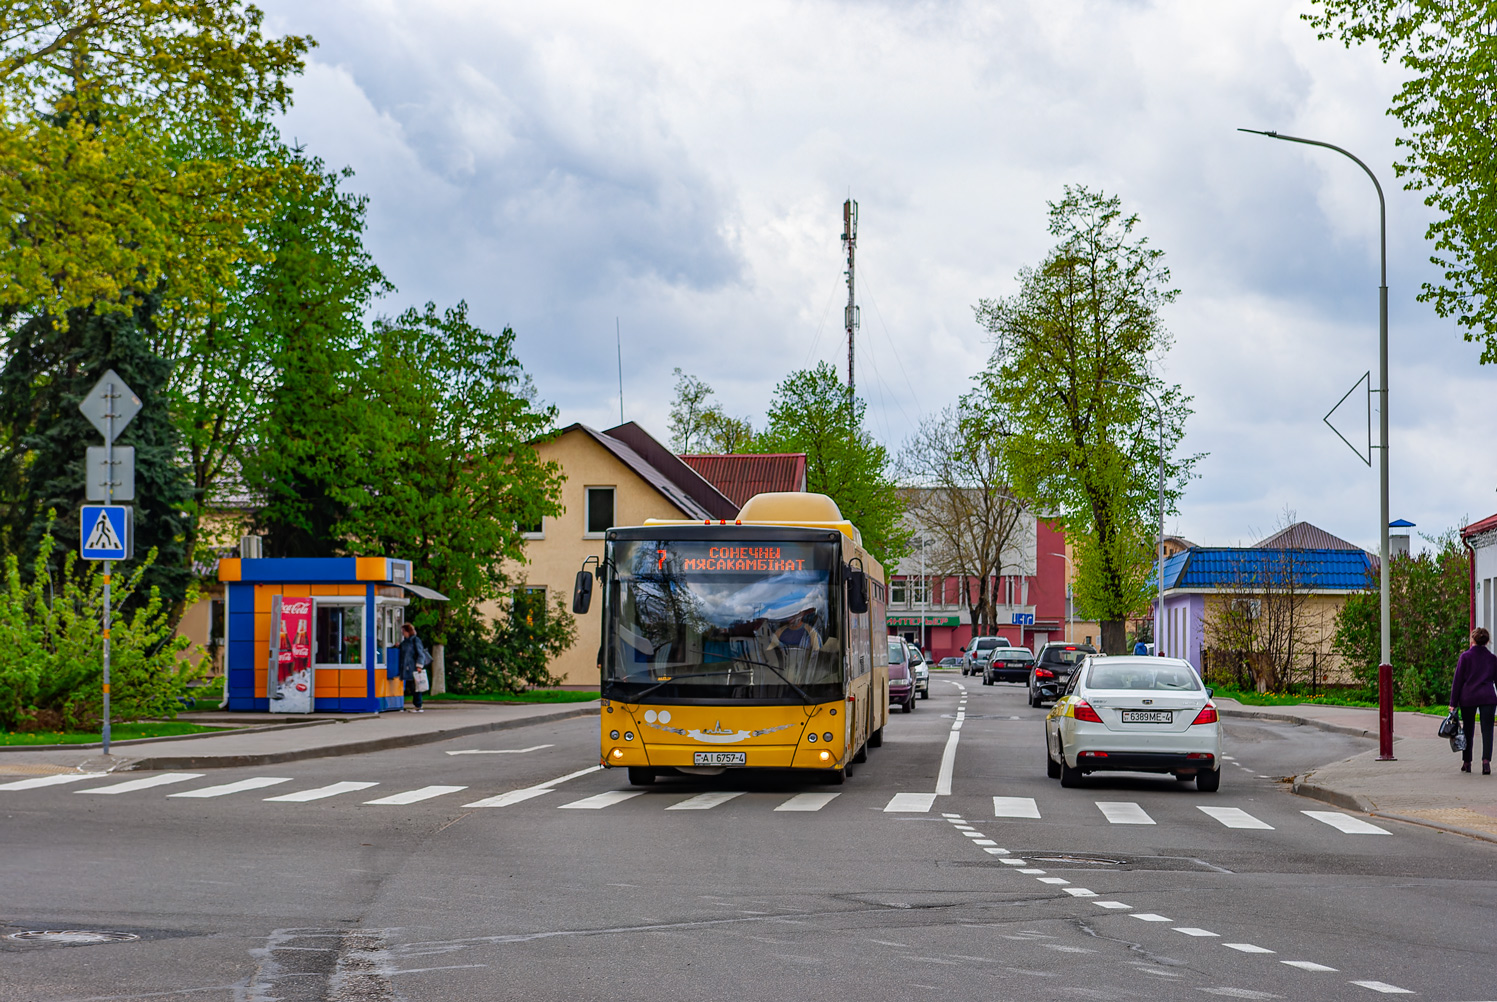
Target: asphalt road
{"x":537,"y":896}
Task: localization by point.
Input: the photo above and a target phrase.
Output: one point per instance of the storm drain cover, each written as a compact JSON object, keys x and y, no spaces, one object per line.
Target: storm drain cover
{"x":72,"y":937}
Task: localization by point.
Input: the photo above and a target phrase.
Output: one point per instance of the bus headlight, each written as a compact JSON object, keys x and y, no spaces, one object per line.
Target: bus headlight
{"x":618,"y":753}
{"x":827,"y":736}
{"x":826,"y":756}
{"x":628,"y":735}
{"x":614,"y":735}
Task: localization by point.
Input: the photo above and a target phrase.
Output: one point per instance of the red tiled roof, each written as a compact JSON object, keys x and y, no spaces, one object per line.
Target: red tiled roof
{"x":1490,"y":522}
{"x":1304,"y":536}
{"x":740,"y":477}
{"x":692,"y":483}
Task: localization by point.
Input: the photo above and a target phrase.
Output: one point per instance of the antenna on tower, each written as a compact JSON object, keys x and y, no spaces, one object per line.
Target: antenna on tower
{"x":850,"y":241}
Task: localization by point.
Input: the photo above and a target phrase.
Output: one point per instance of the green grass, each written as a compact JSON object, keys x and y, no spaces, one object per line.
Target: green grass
{"x":533,"y":696}
{"x":117,"y":732}
{"x":1250,"y":698}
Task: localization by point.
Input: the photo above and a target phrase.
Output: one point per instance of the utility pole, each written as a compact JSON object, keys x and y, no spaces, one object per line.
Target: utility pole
{"x":850,"y":241}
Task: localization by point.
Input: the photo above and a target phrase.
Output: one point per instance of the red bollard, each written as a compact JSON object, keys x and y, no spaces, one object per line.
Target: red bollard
{"x":1385,"y":713}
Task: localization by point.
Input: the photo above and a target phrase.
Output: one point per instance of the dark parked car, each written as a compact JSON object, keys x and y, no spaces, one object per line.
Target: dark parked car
{"x":976,"y":645}
{"x":1008,"y":664}
{"x":1052,"y":670}
{"x":950,"y":663}
{"x":901,"y":677}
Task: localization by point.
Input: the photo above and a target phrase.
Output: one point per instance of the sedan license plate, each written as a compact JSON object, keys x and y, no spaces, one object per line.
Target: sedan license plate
{"x":1148,"y":716}
{"x":719,"y":758}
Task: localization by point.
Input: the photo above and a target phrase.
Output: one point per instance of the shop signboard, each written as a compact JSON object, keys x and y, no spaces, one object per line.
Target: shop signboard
{"x":292,"y":675}
{"x":930,"y":620}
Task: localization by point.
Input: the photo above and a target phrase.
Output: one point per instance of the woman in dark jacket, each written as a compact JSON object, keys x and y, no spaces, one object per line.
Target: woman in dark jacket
{"x":1475,"y":688}
{"x":413,"y":656}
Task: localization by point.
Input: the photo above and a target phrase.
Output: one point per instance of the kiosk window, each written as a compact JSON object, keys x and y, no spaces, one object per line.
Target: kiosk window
{"x":599,"y":510}
{"x":340,"y":634}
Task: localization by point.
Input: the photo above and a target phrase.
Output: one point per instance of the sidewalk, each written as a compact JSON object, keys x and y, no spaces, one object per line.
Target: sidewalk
{"x":275,"y":741}
{"x":1424,"y":786}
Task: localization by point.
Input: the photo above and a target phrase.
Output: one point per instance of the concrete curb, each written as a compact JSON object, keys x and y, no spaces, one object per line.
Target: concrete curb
{"x":1427,"y":823}
{"x":1313,"y":791}
{"x":1289,"y":718}
{"x":352,"y":747}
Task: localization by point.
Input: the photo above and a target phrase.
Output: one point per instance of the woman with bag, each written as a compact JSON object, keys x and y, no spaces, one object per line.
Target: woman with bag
{"x":413,"y":662}
{"x":1473,"y":689}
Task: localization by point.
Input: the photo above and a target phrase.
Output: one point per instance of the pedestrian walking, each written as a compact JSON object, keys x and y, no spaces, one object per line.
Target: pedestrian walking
{"x":1474,"y":690}
{"x":413,"y":658}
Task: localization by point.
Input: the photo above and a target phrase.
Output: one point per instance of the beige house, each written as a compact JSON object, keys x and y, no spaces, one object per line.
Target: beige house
{"x":621,"y":476}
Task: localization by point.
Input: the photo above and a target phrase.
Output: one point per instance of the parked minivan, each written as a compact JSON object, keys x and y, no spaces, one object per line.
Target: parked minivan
{"x":969,"y":663}
{"x":901,"y":677}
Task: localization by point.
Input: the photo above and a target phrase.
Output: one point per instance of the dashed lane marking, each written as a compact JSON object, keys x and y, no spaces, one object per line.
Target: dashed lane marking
{"x":1115,"y":905}
{"x":705,"y":801}
{"x":808,"y":801}
{"x":1079,"y":892}
{"x":1235,"y":817}
{"x":530,"y":792}
{"x":1015,"y":807}
{"x":1150,"y":917}
{"x":1124,"y":813}
{"x":32,"y":784}
{"x":253,"y":783}
{"x":598,"y":801}
{"x":131,"y":786}
{"x":913,"y":802}
{"x":1190,"y":930}
{"x":416,"y":796}
{"x":319,"y":793}
{"x":1307,"y":965}
{"x":1384,"y":987}
{"x":1057,"y":881}
{"x":1246,"y":948}
{"x":1348,"y":824}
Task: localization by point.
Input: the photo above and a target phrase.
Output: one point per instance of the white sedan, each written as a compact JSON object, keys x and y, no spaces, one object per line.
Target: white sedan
{"x":1135,"y":714}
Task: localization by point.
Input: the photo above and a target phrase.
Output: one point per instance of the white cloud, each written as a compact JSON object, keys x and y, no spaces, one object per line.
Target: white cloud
{"x":682,"y":168}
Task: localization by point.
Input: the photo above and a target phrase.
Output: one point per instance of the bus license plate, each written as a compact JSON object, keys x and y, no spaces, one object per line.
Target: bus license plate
{"x":720,"y":758}
{"x":1148,"y":716}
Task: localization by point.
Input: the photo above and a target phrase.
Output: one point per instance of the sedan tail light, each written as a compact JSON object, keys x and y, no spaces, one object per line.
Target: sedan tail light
{"x":1043,"y":673}
{"x":1082,"y":710}
{"x":1206,"y":716}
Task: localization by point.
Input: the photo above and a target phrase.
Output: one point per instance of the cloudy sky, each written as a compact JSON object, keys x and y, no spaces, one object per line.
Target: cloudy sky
{"x":681,"y":167}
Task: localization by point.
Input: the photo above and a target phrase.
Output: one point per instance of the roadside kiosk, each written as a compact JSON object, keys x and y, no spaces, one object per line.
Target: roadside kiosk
{"x":307,"y":635}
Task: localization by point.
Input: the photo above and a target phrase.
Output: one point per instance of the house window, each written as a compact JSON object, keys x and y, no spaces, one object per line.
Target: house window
{"x":919,"y":590}
{"x":599,"y":515}
{"x":897,"y":593}
{"x":339,"y":634}
{"x":216,"y":623}
{"x":533,"y":530}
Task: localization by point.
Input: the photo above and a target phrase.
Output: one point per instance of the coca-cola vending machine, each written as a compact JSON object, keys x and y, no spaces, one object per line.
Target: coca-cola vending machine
{"x":290,"y":676}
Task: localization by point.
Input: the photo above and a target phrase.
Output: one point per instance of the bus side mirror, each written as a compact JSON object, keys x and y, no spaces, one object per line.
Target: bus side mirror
{"x":582,"y":592}
{"x":857,"y":592}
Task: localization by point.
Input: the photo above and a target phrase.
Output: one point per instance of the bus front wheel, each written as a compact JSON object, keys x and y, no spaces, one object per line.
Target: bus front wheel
{"x":836,"y":777}
{"x":639,"y":776}
{"x":876,"y":739}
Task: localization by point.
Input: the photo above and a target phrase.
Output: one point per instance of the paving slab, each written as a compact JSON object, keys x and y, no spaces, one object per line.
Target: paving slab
{"x":255,"y":746}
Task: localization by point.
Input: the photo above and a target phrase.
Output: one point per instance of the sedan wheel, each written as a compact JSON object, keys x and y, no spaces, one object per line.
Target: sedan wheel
{"x":1068,"y":777}
{"x":1208,"y":780}
{"x":1052,"y":768}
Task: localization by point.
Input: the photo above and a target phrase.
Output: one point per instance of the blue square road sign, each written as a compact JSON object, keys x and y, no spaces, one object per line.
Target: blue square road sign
{"x":1023,"y":619}
{"x":107,"y":532}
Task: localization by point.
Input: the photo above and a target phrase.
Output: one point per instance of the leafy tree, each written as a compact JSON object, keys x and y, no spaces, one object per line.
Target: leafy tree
{"x":957,"y":490}
{"x":1080,"y":445}
{"x":451,"y":476}
{"x":811,"y":413}
{"x":1430,"y":598}
{"x":306,"y":309}
{"x":97,"y":196}
{"x":724,"y":434}
{"x":699,"y":426}
{"x":1446,"y":107}
{"x":513,"y":651}
{"x":48,"y":371}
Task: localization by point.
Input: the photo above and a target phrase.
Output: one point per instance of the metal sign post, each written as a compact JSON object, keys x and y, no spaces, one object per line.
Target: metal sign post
{"x":107,"y":529}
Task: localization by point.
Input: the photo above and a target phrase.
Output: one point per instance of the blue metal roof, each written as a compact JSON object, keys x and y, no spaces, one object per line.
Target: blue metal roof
{"x":1244,"y":567}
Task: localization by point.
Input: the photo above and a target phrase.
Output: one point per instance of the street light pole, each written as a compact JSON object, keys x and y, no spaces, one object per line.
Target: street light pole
{"x":1385,"y":616}
{"x":1159,"y":567}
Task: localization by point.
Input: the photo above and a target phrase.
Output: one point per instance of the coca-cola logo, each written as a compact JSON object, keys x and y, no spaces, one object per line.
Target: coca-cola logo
{"x":297,"y":607}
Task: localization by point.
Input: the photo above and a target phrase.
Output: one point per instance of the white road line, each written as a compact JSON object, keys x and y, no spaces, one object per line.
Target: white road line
{"x":319,"y":793}
{"x":1053,"y":880}
{"x":963,"y":827}
{"x":530,"y":792}
{"x":1079,"y":892}
{"x":957,"y":817}
{"x":416,"y":796}
{"x":598,"y":801}
{"x":996,"y":851}
{"x":983,"y":841}
{"x":1111,"y":904}
{"x":975,"y":835}
{"x":1236,"y":817}
{"x":1350,"y":825}
{"x":705,"y":801}
{"x":58,"y":780}
{"x":145,"y":784}
{"x":808,"y":801}
{"x":1149,"y":917}
{"x":499,"y":751}
{"x":1246,"y":948}
{"x":1015,"y":807}
{"x":1011,"y":861}
{"x":512,"y":797}
{"x":917,"y":802}
{"x":1193,"y":931}
{"x":1307,"y":965}
{"x":1031,"y":870}
{"x":1228,"y":758}
{"x":1384,"y":987}
{"x":1124,"y":813}
{"x":948,"y":762}
{"x":254,"y":783}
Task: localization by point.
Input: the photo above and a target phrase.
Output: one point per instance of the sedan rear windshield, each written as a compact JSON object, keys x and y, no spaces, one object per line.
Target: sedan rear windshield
{"x":1012,"y":656}
{"x":1063,"y":655}
{"x":1168,"y":678}
{"x":989,"y":642}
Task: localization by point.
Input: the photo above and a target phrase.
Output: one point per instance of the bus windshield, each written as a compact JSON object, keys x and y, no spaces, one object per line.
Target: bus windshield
{"x":707,"y":619}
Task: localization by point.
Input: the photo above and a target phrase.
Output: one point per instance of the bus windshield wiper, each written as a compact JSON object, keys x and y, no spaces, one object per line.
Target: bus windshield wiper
{"x":764,"y":664}
{"x":667,"y":681}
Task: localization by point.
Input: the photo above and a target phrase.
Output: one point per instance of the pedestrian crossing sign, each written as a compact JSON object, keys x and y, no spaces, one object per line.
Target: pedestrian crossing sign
{"x":107,"y":532}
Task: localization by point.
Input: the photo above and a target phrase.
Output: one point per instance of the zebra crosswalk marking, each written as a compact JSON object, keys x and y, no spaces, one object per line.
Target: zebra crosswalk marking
{"x":808,"y":801}
{"x":705,"y":801}
{"x":599,"y":801}
{"x":416,"y":796}
{"x":1235,"y":817}
{"x":1015,"y":807}
{"x":319,"y":793}
{"x":511,"y":797}
{"x":254,"y":783}
{"x":130,"y":786}
{"x":1124,"y":813}
{"x":1346,"y":823}
{"x":58,"y":780}
{"x":916,"y":803}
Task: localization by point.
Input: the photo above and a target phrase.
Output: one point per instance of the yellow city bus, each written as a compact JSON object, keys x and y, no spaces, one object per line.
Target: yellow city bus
{"x":755,"y":644}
